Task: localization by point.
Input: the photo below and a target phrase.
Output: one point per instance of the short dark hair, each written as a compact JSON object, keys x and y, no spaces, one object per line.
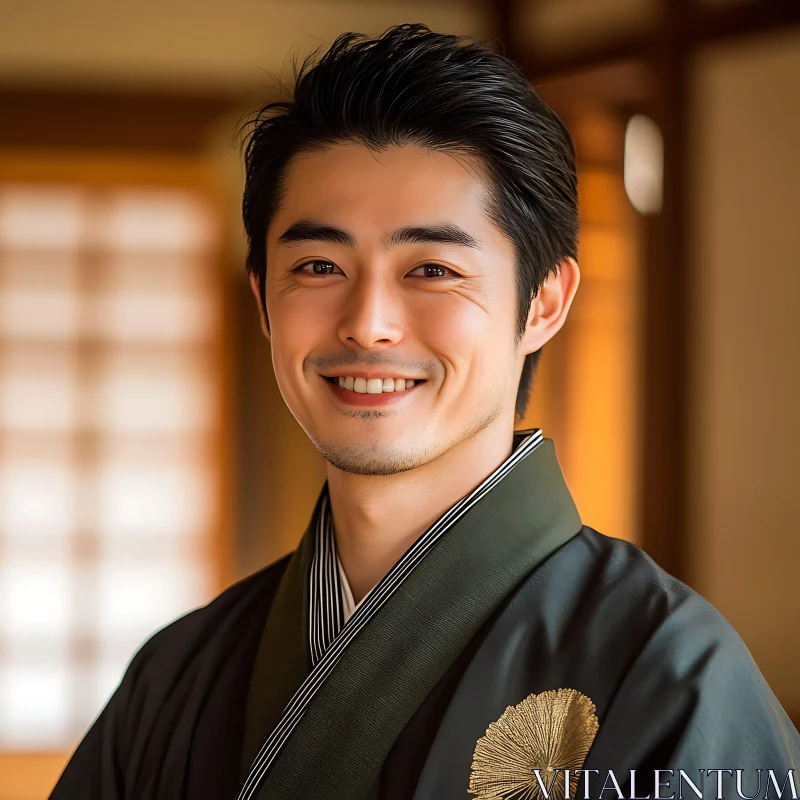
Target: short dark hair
{"x":447,"y":93}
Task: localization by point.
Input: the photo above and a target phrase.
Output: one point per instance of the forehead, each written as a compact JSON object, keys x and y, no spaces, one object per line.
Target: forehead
{"x":375,"y":191}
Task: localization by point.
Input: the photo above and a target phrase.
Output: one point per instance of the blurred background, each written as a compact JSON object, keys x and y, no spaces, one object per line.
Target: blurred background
{"x":146,"y":458}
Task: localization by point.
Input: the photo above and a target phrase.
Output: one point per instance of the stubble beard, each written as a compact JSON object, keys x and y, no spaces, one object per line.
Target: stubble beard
{"x":375,"y":458}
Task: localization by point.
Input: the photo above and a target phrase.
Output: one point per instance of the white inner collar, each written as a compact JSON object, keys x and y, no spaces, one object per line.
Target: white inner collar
{"x":348,"y":605}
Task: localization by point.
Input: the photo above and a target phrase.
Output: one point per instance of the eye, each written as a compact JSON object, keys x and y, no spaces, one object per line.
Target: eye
{"x":433,"y":271}
{"x":318,"y":266}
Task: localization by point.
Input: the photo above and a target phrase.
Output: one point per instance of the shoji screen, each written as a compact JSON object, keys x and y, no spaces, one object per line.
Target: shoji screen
{"x":110,"y":437}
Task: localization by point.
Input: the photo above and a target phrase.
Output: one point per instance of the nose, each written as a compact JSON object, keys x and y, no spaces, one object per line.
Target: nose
{"x":371,"y":314}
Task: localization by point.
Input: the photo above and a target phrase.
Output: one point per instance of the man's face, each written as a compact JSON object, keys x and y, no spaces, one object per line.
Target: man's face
{"x":385,"y":265}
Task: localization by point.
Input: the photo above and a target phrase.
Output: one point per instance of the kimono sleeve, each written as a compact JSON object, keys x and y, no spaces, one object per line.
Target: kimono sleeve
{"x":96,"y":768}
{"x":694,"y":700}
{"x":94,"y":771}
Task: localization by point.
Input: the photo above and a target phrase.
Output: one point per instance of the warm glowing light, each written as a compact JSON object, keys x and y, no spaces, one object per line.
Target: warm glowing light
{"x":644,"y":164}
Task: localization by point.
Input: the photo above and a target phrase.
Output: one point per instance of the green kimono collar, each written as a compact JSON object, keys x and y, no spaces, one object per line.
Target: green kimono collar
{"x":345,"y":734}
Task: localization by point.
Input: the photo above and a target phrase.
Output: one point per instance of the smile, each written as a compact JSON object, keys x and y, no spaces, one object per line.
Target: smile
{"x":373,"y":385}
{"x":371,"y":391}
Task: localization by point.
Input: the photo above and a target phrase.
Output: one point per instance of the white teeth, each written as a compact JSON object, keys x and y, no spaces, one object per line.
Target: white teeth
{"x":374,"y":385}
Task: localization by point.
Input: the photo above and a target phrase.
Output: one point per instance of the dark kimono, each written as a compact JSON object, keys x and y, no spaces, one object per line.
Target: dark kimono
{"x":514,"y":602}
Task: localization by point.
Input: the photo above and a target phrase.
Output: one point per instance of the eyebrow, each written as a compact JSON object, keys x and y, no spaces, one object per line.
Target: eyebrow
{"x":431,"y":234}
{"x":309,"y":231}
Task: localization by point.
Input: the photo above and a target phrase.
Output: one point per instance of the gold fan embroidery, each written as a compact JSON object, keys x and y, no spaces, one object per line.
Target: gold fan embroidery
{"x":549,"y":731}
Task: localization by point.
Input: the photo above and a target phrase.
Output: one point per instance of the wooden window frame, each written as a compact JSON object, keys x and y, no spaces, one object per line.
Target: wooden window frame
{"x":28,"y":774}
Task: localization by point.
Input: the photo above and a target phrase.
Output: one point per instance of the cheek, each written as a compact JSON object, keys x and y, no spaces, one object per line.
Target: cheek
{"x":295,"y":327}
{"x":451,"y":321}
{"x":302,"y":313}
{"x":465,"y":336}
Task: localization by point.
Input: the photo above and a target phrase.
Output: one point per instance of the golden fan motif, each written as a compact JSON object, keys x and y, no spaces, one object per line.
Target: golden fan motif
{"x":549,"y":731}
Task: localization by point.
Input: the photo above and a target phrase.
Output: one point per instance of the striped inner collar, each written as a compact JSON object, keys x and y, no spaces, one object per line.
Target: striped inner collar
{"x":329,"y":636}
{"x":325,"y":589}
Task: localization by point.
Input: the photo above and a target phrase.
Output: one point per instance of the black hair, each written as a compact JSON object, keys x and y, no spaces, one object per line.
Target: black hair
{"x":413,"y":86}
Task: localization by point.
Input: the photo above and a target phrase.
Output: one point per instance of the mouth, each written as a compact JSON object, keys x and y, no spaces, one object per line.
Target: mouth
{"x":373,"y":391}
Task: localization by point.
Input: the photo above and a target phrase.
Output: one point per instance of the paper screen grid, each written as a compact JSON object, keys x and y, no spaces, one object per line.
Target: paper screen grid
{"x":107,"y":410}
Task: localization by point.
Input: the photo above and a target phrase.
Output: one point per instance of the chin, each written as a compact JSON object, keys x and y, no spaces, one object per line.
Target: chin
{"x":374,"y":458}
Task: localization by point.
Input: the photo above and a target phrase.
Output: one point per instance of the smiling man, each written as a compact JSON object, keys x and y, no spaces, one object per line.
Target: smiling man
{"x":447,"y":627}
{"x":390,"y":299}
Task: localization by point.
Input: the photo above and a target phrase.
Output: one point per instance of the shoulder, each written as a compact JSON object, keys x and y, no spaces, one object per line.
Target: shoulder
{"x":170,"y":678}
{"x":684,"y":669}
{"x":679,"y":613}
{"x":614,"y":592}
{"x":618,"y":569}
{"x":237,"y":612}
{"x":673,"y":635}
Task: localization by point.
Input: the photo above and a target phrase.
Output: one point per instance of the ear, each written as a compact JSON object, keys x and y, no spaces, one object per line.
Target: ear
{"x":261,"y":312}
{"x":551,"y":305}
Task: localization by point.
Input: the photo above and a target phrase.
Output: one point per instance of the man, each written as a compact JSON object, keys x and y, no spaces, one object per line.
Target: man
{"x":447,"y":627}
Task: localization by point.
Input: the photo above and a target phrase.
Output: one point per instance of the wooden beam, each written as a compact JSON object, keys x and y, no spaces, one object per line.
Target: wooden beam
{"x":685,"y":29}
{"x":664,"y":313}
{"x":619,"y":85}
{"x":625,"y":49}
{"x":90,"y":120}
{"x":706,"y":24}
{"x":502,"y":14}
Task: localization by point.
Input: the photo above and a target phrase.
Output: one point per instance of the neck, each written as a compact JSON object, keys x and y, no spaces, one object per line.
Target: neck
{"x":378,"y":517}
